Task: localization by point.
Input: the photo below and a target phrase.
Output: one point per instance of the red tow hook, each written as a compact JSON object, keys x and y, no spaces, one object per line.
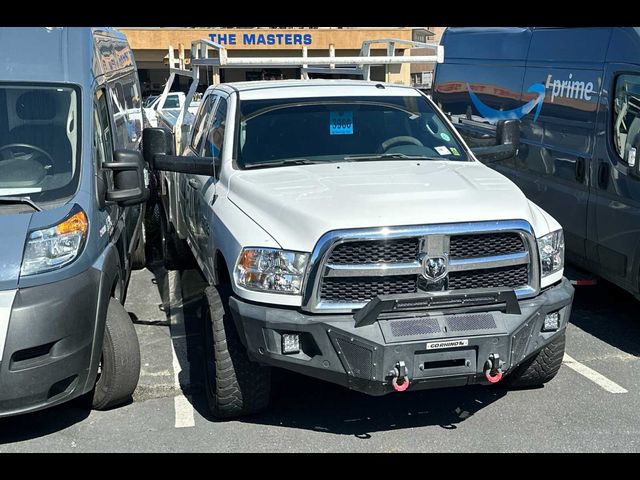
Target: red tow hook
{"x":493,"y":368}
{"x":402,"y":386}
{"x":400,"y":380}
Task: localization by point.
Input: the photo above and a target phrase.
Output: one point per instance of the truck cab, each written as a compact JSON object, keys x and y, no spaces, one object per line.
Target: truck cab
{"x":347,"y":232}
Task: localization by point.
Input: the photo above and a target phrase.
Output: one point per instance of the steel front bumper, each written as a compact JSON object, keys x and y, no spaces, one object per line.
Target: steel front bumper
{"x":363,"y":358}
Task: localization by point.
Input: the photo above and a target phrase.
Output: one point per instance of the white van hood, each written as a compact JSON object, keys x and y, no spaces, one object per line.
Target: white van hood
{"x":296,"y":205}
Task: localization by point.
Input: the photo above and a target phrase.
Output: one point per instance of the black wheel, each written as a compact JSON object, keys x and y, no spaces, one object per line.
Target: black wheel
{"x":119,"y":368}
{"x":175,"y":251}
{"x":139,"y":257}
{"x":541,"y":367}
{"x":234,"y":385}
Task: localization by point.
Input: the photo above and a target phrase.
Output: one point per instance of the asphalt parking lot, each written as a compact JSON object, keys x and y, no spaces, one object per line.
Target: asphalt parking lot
{"x":591,"y":406}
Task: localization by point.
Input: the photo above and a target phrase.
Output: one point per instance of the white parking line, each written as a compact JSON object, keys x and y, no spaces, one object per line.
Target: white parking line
{"x":182,"y":405}
{"x":592,"y":375}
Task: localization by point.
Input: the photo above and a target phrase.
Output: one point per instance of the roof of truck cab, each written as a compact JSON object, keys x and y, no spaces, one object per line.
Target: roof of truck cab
{"x":61,"y":54}
{"x":266,"y":89}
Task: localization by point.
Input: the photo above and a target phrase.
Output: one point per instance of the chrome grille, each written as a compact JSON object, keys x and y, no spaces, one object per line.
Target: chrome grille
{"x":507,"y":277}
{"x":482,"y":245}
{"x":349,"y":268}
{"x":392,"y":251}
{"x":359,"y":289}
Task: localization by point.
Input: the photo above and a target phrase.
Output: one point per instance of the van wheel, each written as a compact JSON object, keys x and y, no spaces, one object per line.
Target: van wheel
{"x":119,"y":368}
{"x":234,"y":385}
{"x":540,"y":368}
{"x":175,"y":251}
{"x":138,"y":257}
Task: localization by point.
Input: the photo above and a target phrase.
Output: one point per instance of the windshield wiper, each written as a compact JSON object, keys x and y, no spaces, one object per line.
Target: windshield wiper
{"x":286,"y":161}
{"x":24,"y":200}
{"x":388,"y":156}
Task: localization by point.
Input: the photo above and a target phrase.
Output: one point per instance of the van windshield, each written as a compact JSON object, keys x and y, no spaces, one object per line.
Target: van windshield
{"x":39,"y":141}
{"x":334,"y":129}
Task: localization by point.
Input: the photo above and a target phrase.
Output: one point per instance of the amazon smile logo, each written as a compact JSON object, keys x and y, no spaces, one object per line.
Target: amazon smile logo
{"x":570,"y":88}
{"x":494,"y":115}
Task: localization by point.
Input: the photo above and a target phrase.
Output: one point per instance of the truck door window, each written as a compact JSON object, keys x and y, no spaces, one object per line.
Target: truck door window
{"x":626,"y":114}
{"x":200,"y":123}
{"x":215,"y":134}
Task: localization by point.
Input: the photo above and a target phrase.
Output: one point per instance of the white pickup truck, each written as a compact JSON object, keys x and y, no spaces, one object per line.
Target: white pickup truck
{"x":348,"y":233}
{"x":172,"y":106}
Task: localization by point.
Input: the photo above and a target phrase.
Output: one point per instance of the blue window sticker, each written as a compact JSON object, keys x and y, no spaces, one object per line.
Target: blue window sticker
{"x":341,"y":123}
{"x":445,"y":137}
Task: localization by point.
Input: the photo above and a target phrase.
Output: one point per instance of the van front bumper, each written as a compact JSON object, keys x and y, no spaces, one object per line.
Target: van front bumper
{"x":48,"y":347}
{"x":363,"y":358}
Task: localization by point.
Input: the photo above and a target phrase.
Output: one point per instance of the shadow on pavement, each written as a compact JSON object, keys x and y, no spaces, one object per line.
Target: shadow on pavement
{"x":38,"y":424}
{"x":306,"y":403}
{"x":608,"y":313}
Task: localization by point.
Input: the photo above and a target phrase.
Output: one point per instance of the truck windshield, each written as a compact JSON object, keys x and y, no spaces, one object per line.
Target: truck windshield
{"x":318,"y":130}
{"x":39,"y":142}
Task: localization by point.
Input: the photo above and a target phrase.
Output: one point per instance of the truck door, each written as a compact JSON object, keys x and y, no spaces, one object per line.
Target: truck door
{"x":552,"y":165}
{"x":186,"y":185}
{"x":617,"y":191}
{"x":204,"y":188}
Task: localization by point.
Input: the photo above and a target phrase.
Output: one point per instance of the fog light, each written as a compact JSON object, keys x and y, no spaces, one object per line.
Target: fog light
{"x":290,"y":343}
{"x":551,"y":322}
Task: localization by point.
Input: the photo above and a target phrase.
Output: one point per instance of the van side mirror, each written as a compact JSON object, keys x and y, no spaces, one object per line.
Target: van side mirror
{"x":156,"y":141}
{"x":128,"y":178}
{"x":507,"y":143}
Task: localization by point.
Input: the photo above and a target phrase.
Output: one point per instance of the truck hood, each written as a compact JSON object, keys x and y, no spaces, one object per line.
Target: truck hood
{"x":296,"y":205}
{"x":14,"y":230}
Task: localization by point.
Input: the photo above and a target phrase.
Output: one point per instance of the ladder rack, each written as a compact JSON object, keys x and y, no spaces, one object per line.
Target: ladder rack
{"x":354,"y":65}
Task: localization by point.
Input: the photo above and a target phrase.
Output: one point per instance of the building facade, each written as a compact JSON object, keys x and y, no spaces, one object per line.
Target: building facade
{"x":150,"y":48}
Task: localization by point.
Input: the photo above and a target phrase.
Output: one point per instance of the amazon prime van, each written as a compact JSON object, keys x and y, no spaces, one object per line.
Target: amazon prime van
{"x":575,"y":95}
{"x":71,"y":198}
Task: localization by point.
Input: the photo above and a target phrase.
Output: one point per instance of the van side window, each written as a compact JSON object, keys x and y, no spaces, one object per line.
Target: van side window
{"x":127,"y":113}
{"x":102,"y":139}
{"x":200,"y":123}
{"x":215,"y":133}
{"x":626,"y":114}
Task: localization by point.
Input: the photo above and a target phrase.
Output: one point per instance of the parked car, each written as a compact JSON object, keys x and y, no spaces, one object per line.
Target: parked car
{"x":348,"y":233}
{"x":576,"y":94}
{"x":72,"y":191}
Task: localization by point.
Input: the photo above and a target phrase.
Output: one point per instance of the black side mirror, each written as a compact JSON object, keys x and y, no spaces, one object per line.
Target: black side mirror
{"x":156,"y":141}
{"x":184,"y":164}
{"x":128,"y":178}
{"x":508,"y":142}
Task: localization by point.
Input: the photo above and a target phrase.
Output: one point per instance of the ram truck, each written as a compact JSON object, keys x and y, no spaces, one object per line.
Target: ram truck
{"x":348,"y":233}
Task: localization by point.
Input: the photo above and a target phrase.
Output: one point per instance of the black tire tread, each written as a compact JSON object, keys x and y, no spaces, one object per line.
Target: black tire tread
{"x":541,"y":367}
{"x":242,"y":387}
{"x":122,"y":349}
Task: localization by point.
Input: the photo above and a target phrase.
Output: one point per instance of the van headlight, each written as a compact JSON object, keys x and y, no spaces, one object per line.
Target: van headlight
{"x":54,"y":247}
{"x":271,"y":270}
{"x":551,"y":248}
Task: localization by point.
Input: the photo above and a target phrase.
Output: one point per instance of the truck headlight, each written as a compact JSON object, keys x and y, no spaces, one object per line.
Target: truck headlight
{"x":551,"y":248}
{"x":271,"y":270}
{"x":54,"y":247}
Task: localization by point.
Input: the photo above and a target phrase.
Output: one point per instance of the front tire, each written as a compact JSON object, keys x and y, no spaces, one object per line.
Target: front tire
{"x":234,"y":385}
{"x":120,"y":363}
{"x":540,"y":368}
